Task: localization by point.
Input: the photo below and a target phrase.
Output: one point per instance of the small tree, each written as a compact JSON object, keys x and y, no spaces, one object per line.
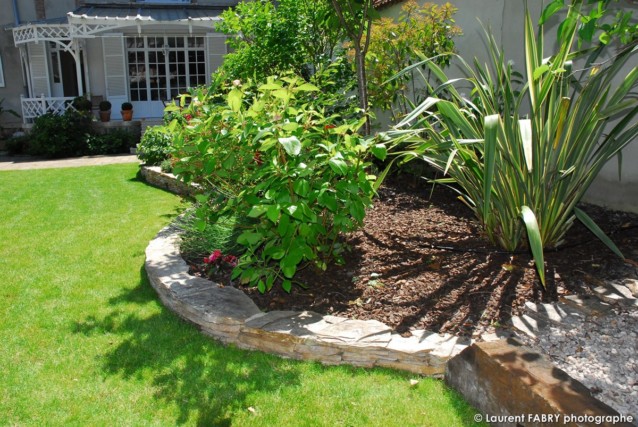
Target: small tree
{"x":355,"y":17}
{"x":269,"y":40}
{"x":420,"y":31}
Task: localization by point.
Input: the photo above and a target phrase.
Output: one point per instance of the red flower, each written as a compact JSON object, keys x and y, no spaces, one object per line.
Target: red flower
{"x":188,"y":117}
{"x":327,"y":127}
{"x":231,"y":260}
{"x":215,"y":255}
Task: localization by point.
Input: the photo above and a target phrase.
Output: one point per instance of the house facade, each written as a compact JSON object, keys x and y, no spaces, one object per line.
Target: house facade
{"x":145,"y":52}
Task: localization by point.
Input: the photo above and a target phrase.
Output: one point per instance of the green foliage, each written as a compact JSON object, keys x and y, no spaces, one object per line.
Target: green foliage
{"x":17,"y":145}
{"x":596,"y":21}
{"x":114,"y":142}
{"x":105,"y":105}
{"x":420,"y":32}
{"x":126,"y":106}
{"x":525,"y":175}
{"x":166,"y":166}
{"x":82,"y":104}
{"x":63,"y":135}
{"x":155,"y":146}
{"x":355,"y":17}
{"x":269,"y":40}
{"x":298,"y":176}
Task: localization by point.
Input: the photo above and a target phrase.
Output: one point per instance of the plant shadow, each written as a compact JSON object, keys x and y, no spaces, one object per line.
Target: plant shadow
{"x":204,"y":380}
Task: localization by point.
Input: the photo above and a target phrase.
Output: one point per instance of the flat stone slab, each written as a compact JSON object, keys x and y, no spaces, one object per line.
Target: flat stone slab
{"x":506,"y":379}
{"x":616,"y":293}
{"x":591,"y":306}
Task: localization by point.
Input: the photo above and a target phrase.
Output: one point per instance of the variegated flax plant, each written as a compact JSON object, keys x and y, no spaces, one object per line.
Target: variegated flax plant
{"x":524,"y":150}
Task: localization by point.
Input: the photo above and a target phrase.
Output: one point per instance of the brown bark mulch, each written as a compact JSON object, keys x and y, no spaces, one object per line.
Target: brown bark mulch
{"x":422,"y":262}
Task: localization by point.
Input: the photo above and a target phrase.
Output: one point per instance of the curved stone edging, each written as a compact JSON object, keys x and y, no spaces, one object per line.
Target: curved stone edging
{"x":154,"y":176}
{"x":229,"y":315}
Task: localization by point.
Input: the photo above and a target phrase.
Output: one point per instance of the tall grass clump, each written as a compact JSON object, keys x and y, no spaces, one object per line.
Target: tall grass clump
{"x":523,"y":155}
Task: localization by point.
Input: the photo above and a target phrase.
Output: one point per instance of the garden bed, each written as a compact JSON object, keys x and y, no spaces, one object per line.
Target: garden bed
{"x":421,"y":262}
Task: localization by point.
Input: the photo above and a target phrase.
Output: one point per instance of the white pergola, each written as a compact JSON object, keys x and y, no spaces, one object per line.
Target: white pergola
{"x":80,"y":26}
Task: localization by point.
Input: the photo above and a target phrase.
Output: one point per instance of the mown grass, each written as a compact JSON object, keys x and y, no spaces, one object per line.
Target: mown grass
{"x":84,"y":340}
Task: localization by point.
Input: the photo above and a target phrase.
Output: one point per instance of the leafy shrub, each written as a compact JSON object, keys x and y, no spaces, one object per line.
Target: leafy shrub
{"x":63,"y":135}
{"x":155,"y":146}
{"x":299,"y":176}
{"x":114,"y":142}
{"x":17,"y":145}
{"x":166,"y":166}
{"x":523,"y":175}
{"x":425,"y":31}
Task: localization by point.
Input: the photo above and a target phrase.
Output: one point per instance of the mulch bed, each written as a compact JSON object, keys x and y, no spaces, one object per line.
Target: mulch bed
{"x":422,"y":262}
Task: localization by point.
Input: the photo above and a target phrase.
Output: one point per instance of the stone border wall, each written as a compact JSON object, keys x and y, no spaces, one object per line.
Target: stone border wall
{"x":167,"y":181}
{"x":229,"y":315}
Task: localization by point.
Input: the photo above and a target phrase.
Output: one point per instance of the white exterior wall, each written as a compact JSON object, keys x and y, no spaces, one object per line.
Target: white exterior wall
{"x":506,"y":20}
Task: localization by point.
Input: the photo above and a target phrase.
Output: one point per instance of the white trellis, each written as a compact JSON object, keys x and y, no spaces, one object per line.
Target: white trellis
{"x":36,"y":107}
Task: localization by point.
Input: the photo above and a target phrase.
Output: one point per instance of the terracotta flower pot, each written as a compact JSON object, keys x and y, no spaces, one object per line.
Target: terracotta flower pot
{"x":105,"y":116}
{"x":127,"y":115}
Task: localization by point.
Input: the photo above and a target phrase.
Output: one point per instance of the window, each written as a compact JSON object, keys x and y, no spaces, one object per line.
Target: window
{"x":161,"y":68}
{"x":1,"y":73}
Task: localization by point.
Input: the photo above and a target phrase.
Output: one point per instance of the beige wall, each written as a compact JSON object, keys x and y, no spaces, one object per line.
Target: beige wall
{"x":505,"y":17}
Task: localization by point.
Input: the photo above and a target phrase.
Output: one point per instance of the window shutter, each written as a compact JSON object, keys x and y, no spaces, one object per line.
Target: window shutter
{"x":115,"y":75}
{"x":39,"y":69}
{"x":215,"y":49}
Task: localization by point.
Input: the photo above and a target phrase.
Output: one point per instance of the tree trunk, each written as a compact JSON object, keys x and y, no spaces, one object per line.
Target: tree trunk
{"x":363,"y":85}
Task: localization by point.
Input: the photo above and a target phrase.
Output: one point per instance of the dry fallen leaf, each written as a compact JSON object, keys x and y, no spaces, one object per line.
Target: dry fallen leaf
{"x":413,"y":383}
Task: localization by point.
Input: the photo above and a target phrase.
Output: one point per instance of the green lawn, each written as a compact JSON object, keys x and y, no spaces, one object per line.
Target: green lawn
{"x":84,"y":340}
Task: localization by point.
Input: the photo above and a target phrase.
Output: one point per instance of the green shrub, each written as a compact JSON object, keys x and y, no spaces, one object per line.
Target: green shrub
{"x":155,"y":146}
{"x":524,"y":176}
{"x":60,"y":135}
{"x":299,"y":178}
{"x":166,"y":166}
{"x":114,"y":142}
{"x":17,"y":145}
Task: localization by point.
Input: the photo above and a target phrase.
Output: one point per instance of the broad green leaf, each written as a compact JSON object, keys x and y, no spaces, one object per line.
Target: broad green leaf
{"x":301,"y":187}
{"x":329,"y":201}
{"x":594,"y":228}
{"x":289,"y":270}
{"x":275,"y":252}
{"x":286,"y":285}
{"x":379,"y":151}
{"x":550,"y":10}
{"x":273,"y":213}
{"x":257,"y":211}
{"x":234,"y":100}
{"x":291,"y":145}
{"x":535,"y":241}
{"x":357,"y":211}
{"x":539,"y":71}
{"x":249,"y":238}
{"x":283,"y":227}
{"x":307,"y":87}
{"x":269,"y":86}
{"x":338,"y":165}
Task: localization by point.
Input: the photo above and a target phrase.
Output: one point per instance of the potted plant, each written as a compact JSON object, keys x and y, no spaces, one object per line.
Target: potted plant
{"x":82,"y":104}
{"x":105,"y":111}
{"x":127,"y":111}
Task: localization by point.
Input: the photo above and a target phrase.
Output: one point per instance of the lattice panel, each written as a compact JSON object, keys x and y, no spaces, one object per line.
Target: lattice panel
{"x":34,"y":33}
{"x":36,"y":107}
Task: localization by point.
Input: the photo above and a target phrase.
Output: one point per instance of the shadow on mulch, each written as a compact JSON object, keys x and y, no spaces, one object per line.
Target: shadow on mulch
{"x":422,"y":262}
